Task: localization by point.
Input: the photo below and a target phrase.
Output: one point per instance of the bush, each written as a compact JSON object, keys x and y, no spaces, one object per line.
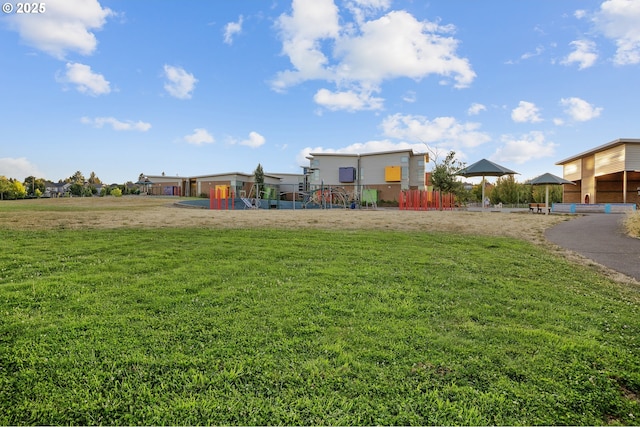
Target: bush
{"x":632,"y":224}
{"x":116,"y":192}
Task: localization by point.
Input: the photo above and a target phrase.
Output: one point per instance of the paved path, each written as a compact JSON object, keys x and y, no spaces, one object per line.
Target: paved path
{"x":600,"y":237}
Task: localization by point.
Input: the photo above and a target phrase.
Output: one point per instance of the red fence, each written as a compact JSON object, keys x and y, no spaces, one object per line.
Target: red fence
{"x":421,"y":200}
{"x":221,"y":200}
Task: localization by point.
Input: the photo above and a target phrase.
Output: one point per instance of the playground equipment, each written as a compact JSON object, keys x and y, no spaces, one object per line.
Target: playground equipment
{"x":324,"y":197}
{"x":221,"y":199}
{"x":328,"y":198}
{"x":419,"y":200}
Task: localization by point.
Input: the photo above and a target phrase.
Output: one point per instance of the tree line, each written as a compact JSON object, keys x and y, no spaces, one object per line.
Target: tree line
{"x":33,"y":187}
{"x":506,"y":190}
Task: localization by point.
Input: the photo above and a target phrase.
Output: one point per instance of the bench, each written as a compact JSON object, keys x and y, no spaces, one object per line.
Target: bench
{"x":537,"y":207}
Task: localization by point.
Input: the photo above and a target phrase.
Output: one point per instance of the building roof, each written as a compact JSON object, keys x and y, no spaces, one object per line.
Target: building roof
{"x":213,"y":175}
{"x":372,"y":153}
{"x":603,"y":147}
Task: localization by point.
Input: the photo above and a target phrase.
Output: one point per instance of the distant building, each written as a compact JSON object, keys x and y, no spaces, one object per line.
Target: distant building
{"x":56,"y":189}
{"x":376,"y":176}
{"x":609,"y":173}
{"x":224,"y":184}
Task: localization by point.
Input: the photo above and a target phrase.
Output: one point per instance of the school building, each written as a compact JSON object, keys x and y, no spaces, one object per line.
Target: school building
{"x":609,"y":173}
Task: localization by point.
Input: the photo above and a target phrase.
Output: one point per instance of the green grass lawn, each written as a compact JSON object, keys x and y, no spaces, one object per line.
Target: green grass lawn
{"x":204,"y":326}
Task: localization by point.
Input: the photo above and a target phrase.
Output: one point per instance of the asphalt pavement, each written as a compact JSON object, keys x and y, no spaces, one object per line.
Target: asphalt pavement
{"x":601,"y":238}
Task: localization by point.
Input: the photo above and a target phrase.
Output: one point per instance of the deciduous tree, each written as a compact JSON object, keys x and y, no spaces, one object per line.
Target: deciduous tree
{"x":443,"y":176}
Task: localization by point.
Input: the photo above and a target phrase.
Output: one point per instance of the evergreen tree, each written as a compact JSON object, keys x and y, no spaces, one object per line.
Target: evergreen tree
{"x":258,"y":179}
{"x":93,"y":179}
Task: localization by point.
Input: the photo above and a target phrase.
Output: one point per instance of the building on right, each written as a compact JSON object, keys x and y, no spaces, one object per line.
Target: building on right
{"x":609,"y":173}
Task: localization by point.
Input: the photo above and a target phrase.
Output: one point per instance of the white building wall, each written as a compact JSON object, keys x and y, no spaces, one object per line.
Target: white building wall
{"x":632,"y":157}
{"x":573,"y":171}
{"x":610,"y":161}
{"x":374,"y":165}
{"x":328,"y":168}
{"x":417,"y":168}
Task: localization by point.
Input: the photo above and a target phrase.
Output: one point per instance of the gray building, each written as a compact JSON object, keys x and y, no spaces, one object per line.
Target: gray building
{"x":385,"y":173}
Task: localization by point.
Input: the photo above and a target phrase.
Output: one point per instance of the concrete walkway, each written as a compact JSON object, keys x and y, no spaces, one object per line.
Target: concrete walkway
{"x":600,"y":237}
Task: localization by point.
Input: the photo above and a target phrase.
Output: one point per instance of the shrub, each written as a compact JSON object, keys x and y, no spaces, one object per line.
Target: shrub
{"x":632,"y":224}
{"x":116,"y":192}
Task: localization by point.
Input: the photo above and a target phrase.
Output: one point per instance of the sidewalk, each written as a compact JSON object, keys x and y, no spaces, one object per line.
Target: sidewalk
{"x":600,"y":237}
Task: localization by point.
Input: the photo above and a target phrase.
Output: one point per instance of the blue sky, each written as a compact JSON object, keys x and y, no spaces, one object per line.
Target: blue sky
{"x":192,"y":87}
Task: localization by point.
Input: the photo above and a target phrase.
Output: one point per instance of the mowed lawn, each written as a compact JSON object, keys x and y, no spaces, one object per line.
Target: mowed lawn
{"x":309,"y":327}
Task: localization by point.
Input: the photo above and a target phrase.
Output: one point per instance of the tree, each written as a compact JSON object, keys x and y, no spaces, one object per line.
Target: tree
{"x":93,"y":179}
{"x":76,"y":189}
{"x":34,"y":185}
{"x":258,"y":179}
{"x":555,"y":193}
{"x":5,"y":187}
{"x":17,"y":190}
{"x":443,"y":176}
{"x":76,"y":178}
{"x":505,"y":191}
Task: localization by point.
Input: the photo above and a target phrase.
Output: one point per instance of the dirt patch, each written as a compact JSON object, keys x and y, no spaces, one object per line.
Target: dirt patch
{"x":150,"y":212}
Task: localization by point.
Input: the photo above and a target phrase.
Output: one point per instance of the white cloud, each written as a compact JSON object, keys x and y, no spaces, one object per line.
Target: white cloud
{"x":348,"y":100}
{"x":364,"y":8}
{"x":580,"y":13}
{"x":116,"y":124}
{"x":310,"y":22}
{"x":359,"y":148}
{"x":231,"y":29}
{"x":618,"y":21}
{"x":255,"y":140}
{"x":348,"y":55}
{"x":527,"y":147}
{"x":85,"y":79}
{"x":411,"y":48}
{"x":539,"y":50}
{"x":66,"y":26}
{"x":441,"y":130}
{"x":579,"y":109}
{"x":18,"y":168}
{"x":199,"y":137}
{"x":180,"y":83}
{"x":410,"y":97}
{"x":526,"y":112}
{"x":476,"y":109}
{"x":584,"y":54}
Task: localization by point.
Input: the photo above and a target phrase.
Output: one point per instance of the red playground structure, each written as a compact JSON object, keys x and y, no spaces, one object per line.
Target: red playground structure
{"x":423,"y":200}
{"x":220,"y":199}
